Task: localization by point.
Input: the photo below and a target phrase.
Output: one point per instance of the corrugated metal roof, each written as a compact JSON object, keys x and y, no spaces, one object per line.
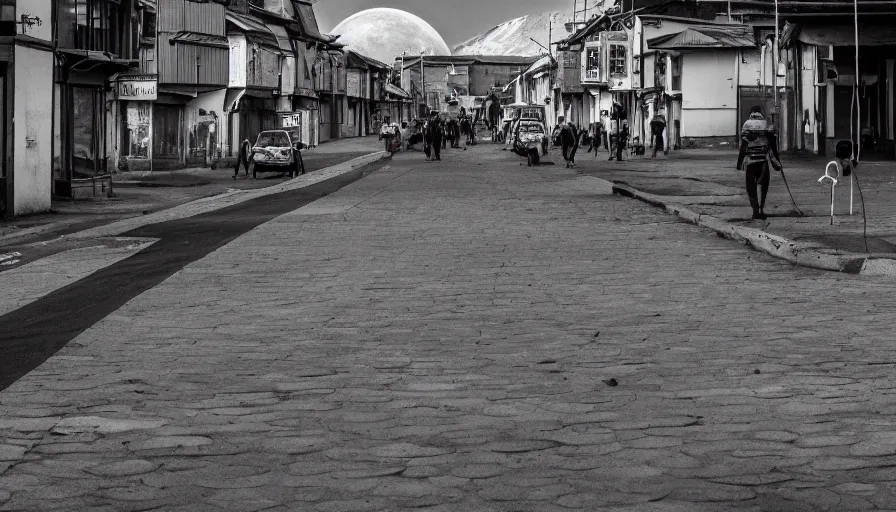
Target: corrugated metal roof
{"x":717,"y":36}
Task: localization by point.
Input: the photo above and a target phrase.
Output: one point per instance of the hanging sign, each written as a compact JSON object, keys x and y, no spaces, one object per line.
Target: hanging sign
{"x":137,"y":88}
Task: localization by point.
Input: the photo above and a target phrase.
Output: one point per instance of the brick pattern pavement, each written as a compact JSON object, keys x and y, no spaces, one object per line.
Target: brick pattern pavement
{"x":443,"y":336}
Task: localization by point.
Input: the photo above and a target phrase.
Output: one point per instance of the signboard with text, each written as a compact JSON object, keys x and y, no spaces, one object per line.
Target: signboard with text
{"x":137,"y":88}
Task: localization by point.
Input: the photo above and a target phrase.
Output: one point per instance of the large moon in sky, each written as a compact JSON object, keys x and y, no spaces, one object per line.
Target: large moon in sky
{"x":383,"y":33}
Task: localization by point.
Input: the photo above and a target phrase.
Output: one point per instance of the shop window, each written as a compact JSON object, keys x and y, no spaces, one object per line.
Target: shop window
{"x":617,"y":62}
{"x":136,"y":120}
{"x":570,"y":60}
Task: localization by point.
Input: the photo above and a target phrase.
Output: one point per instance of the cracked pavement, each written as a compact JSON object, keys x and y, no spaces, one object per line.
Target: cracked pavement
{"x":470,"y":334}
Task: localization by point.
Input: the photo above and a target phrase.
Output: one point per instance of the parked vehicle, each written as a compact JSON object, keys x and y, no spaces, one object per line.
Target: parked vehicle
{"x":530,"y":140}
{"x":516,"y":112}
{"x":278,"y":151}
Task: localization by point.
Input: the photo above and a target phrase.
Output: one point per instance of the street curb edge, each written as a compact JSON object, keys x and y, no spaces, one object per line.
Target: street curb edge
{"x":797,"y":253}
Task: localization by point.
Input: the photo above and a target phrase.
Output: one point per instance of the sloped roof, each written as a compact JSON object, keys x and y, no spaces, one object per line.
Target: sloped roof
{"x":371,"y":62}
{"x":544,"y":62}
{"x":308,"y":20}
{"x":717,"y":36}
{"x":246,"y":23}
{"x":397,"y":91}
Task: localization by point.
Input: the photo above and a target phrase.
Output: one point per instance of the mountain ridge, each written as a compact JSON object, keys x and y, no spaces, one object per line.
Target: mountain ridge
{"x":512,"y":37}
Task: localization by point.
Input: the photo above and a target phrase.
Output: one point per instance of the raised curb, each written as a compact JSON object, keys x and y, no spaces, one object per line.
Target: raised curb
{"x":212,"y":203}
{"x":798,"y":253}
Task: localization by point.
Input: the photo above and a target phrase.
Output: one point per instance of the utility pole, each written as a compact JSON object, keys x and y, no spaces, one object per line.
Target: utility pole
{"x":423,"y":83}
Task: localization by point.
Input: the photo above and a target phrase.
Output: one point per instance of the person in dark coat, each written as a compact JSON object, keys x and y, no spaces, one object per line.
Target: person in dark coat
{"x":243,"y":158}
{"x":596,"y":138}
{"x":569,"y":139}
{"x":435,"y":135}
{"x":657,"y":127}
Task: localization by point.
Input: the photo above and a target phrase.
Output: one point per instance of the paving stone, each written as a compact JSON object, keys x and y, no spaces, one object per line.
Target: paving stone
{"x":408,"y":450}
{"x":123,"y":468}
{"x":170,"y":442}
{"x":397,"y":363}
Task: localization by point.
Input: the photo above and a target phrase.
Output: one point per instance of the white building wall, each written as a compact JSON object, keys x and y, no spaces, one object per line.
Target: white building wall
{"x":33,"y":131}
{"x":709,"y":94}
{"x":808,"y":74}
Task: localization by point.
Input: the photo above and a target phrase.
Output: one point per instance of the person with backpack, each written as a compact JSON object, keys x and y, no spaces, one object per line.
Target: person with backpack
{"x":758,"y":153}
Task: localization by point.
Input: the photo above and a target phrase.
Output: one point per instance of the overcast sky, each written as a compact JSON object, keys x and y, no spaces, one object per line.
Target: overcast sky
{"x":455,"y":20}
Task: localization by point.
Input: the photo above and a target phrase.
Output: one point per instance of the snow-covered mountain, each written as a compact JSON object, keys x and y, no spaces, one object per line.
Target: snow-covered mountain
{"x":512,"y":37}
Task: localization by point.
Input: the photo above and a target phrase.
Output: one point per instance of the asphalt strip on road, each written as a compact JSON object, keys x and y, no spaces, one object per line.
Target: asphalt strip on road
{"x":31,"y":334}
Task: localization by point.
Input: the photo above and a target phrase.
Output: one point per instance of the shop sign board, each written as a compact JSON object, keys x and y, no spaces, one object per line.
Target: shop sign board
{"x":137,"y":88}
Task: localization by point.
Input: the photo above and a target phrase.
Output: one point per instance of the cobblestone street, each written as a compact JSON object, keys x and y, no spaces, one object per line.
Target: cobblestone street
{"x":470,"y":334}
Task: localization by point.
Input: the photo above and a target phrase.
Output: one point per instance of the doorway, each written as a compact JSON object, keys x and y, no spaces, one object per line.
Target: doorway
{"x":86,"y":140}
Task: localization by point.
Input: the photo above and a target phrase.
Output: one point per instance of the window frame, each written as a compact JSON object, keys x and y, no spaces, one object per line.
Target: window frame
{"x":617,"y":66}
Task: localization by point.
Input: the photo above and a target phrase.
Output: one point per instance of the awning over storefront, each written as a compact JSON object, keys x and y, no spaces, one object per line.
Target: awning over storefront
{"x":195,"y":38}
{"x":88,"y":60}
{"x":718,"y":36}
{"x":824,"y":35}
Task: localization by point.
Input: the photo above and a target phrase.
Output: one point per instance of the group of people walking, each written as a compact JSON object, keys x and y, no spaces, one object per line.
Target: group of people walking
{"x":615,"y":136}
{"x":435,"y":133}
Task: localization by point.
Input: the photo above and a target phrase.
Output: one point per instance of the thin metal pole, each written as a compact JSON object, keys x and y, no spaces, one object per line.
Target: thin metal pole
{"x":775,"y":68}
{"x":833,"y":184}
{"x":858,"y":151}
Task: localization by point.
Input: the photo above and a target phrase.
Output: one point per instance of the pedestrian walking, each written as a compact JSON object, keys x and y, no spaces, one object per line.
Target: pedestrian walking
{"x":758,"y":153}
{"x":594,"y":143}
{"x":388,"y":132}
{"x":618,"y":131}
{"x":657,"y":128}
{"x":242,"y":157}
{"x":569,"y":139}
{"x":436,"y":135}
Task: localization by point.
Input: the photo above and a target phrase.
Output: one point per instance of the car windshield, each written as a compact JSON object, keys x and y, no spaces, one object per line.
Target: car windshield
{"x":530,"y":128}
{"x":273,"y":139}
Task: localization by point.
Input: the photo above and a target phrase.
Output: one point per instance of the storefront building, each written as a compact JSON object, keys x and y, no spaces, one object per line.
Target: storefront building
{"x":26,"y":83}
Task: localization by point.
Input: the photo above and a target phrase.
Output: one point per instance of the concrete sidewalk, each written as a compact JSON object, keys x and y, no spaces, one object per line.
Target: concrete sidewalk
{"x":140,"y":193}
{"x":704,"y":187}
